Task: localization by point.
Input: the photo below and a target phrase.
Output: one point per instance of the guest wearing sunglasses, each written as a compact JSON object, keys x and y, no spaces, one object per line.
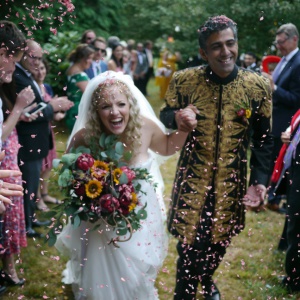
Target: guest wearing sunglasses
{"x":88,"y":36}
{"x":98,"y":64}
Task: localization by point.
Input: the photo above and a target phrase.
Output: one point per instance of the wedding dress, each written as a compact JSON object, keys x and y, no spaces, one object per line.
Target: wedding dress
{"x":98,"y":270}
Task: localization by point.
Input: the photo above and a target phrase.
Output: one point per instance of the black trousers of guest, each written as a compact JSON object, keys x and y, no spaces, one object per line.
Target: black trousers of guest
{"x":31,"y":171}
{"x":292,"y":260}
{"x":275,"y":198}
{"x":140,"y":83}
{"x":197,"y":263}
{"x":149,"y":74}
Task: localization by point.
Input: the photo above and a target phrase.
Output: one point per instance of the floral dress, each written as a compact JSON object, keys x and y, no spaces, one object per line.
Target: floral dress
{"x":13,"y":227}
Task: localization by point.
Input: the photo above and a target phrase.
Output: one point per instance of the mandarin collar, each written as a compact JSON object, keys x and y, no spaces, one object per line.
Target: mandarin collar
{"x":215,"y":78}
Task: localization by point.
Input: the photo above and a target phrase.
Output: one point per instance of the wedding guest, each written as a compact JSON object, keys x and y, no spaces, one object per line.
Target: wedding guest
{"x":88,"y":36}
{"x":12,"y":225}
{"x":116,"y":61}
{"x":47,"y":93}
{"x":34,"y":136}
{"x":77,"y":80}
{"x":165,"y":69}
{"x":287,"y":167}
{"x":285,"y":83}
{"x":141,"y":68}
{"x":148,"y":46}
{"x":98,"y":64}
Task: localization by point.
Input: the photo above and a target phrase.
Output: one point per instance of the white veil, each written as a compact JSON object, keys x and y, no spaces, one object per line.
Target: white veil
{"x":145,"y":109}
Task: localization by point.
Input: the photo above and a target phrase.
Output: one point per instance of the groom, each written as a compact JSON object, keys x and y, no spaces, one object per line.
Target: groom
{"x":230,"y":107}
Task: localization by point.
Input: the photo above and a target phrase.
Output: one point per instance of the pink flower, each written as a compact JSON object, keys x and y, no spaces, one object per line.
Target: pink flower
{"x":129,"y":173}
{"x":68,"y":4}
{"x":84,"y":161}
{"x":109,"y":203}
{"x":53,"y":30}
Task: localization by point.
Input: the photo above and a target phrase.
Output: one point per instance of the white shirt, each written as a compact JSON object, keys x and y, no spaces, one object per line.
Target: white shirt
{"x":149,"y":57}
{"x":96,"y":67}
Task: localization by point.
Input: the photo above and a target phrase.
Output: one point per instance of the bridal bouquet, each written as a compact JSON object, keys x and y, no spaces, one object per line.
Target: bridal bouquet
{"x":99,"y":187}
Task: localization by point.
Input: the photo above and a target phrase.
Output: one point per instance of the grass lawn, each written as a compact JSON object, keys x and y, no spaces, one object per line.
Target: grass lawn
{"x":249,"y":269}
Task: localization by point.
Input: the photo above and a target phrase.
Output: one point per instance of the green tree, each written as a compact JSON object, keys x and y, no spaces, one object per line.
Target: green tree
{"x":41,"y":19}
{"x":257,"y":21}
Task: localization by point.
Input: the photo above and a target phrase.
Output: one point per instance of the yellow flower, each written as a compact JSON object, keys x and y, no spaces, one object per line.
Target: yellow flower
{"x":93,"y":189}
{"x":134,"y":198}
{"x":99,"y":169}
{"x":248,"y":113}
{"x":134,"y":202}
{"x":117,"y":173}
{"x":100,"y":165}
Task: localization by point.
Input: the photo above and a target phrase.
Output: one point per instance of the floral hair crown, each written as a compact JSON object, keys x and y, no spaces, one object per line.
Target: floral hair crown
{"x":216,"y":22}
{"x":101,"y":91}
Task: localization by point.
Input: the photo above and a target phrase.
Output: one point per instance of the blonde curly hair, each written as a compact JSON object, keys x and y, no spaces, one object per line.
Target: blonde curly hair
{"x":95,"y":127}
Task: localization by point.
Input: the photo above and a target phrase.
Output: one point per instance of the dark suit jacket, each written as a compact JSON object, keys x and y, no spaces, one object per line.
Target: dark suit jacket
{"x":286,"y":98}
{"x":141,"y":67}
{"x":90,"y":72}
{"x":34,"y":137}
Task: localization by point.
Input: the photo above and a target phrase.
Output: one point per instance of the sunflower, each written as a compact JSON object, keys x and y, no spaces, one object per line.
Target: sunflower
{"x":117,"y":173}
{"x":134,"y":201}
{"x":99,"y":169}
{"x":93,"y":189}
{"x":98,"y":164}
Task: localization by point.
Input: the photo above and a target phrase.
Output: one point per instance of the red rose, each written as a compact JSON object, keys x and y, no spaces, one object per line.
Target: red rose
{"x":79,"y":190}
{"x":124,"y":211}
{"x":109,"y":203}
{"x":241,"y":112}
{"x":125,"y":200}
{"x":84,"y":161}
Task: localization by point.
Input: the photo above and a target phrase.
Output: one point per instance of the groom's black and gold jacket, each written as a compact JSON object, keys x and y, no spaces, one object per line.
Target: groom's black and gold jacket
{"x":214,"y":157}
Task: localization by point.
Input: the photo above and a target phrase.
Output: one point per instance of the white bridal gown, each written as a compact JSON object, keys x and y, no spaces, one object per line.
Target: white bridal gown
{"x":99,"y":271}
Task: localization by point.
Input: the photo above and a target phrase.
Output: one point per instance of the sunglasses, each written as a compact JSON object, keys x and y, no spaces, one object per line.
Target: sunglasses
{"x":103,"y":51}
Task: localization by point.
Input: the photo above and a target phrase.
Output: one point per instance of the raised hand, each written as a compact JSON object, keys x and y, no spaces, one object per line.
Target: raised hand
{"x":25,"y":97}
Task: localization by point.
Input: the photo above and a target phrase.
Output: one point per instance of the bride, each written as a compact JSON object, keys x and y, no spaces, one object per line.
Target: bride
{"x":96,"y":269}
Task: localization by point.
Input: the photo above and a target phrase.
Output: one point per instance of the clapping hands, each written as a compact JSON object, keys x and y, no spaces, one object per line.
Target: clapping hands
{"x":61,"y":104}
